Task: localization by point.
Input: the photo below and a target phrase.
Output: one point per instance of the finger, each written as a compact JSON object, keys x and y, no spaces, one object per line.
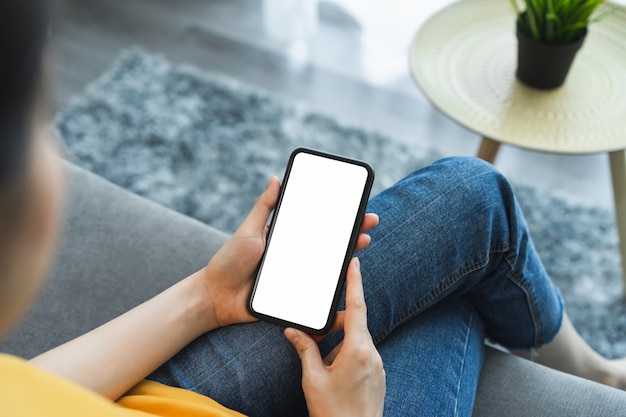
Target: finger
{"x":337,"y":325}
{"x":257,"y":218}
{"x":330,"y":358}
{"x":361,"y":242}
{"x":355,"y":320}
{"x":307,"y":350}
{"x":339,"y":321}
{"x":370,"y":221}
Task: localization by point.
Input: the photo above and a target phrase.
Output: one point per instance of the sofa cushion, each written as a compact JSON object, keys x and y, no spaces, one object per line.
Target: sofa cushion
{"x":116,"y":251}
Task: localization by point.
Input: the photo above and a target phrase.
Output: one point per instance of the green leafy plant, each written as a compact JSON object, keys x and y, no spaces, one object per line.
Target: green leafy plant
{"x":557,"y":21}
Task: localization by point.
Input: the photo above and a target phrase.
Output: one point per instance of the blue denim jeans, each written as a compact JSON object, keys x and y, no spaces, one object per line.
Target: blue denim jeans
{"x":450,"y":263}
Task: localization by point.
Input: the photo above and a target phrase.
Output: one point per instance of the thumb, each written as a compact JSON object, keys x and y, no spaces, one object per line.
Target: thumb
{"x":257,"y":218}
{"x":307,"y":350}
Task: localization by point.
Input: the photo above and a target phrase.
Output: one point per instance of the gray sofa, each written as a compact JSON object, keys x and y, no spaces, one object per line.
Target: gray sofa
{"x":119,"y":249}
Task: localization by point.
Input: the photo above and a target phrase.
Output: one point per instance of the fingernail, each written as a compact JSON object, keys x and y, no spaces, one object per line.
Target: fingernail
{"x":357,"y":263}
{"x":292,"y":335}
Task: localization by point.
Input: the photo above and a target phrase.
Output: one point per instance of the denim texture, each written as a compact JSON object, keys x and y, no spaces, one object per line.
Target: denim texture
{"x":450,"y":263}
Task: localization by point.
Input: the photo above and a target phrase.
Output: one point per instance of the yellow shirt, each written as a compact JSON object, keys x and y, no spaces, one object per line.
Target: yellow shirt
{"x":26,"y":390}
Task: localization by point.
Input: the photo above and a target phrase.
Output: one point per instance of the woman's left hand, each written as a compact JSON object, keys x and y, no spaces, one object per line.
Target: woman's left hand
{"x":228,"y":277}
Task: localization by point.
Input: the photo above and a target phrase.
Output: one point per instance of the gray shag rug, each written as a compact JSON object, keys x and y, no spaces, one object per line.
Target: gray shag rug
{"x":205,"y":145}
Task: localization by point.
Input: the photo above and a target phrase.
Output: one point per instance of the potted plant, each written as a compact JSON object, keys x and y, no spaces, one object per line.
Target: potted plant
{"x":550,"y":33}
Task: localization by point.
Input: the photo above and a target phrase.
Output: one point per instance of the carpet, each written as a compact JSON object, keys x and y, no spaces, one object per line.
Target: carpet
{"x":205,"y":145}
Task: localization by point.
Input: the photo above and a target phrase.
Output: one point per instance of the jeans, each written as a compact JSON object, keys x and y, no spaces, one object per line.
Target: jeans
{"x":450,"y":263}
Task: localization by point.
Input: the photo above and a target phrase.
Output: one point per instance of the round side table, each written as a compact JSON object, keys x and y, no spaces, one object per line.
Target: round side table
{"x":464,"y":60}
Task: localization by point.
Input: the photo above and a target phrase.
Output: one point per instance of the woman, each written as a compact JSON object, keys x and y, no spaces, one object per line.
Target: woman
{"x":450,"y":263}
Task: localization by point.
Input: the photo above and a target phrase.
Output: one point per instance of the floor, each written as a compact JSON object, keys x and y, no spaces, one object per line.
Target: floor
{"x":354,"y":65}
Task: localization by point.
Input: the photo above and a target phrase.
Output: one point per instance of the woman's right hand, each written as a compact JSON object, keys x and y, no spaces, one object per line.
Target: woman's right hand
{"x":350,"y":381}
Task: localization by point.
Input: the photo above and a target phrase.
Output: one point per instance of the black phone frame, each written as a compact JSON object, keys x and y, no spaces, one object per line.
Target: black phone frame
{"x":349,"y":251}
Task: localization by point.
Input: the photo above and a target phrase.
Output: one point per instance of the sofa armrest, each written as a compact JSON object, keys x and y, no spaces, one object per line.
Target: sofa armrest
{"x":116,"y":251}
{"x":514,"y":387}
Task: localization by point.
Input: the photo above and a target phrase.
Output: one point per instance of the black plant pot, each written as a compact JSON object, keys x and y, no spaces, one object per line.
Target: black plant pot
{"x":544,"y":65}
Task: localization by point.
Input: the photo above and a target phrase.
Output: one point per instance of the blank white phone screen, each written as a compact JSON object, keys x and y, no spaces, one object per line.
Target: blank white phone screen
{"x":308,"y":244}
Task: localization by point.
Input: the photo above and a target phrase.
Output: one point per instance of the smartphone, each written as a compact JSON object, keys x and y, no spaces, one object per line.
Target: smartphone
{"x":311,"y":239}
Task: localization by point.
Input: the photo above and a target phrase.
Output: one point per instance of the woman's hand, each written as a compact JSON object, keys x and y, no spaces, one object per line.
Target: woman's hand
{"x":114,"y":357}
{"x":350,"y":381}
{"x":228,"y":277}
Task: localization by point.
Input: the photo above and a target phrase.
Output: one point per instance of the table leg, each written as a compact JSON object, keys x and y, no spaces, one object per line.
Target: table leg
{"x":617,"y":160}
{"x":488,"y":149}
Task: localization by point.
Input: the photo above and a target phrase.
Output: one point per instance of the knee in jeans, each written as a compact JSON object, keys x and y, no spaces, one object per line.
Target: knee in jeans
{"x":466,"y":166}
{"x":481,"y":179}
{"x":467,"y":183}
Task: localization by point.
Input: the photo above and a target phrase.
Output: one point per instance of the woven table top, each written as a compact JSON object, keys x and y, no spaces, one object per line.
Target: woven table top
{"x":464,"y":59}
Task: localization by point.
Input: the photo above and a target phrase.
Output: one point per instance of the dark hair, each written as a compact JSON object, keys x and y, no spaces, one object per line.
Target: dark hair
{"x":24,"y":28}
